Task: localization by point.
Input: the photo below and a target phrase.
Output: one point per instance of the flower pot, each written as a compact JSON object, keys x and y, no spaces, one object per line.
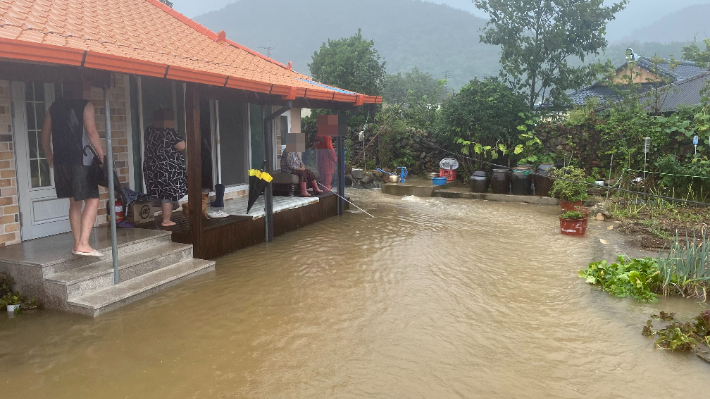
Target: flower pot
{"x":500,"y":181}
{"x":13,"y":308}
{"x":567,"y":206}
{"x":573,"y":227}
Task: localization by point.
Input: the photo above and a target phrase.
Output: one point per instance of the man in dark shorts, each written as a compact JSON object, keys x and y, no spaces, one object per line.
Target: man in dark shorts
{"x":70,"y":127}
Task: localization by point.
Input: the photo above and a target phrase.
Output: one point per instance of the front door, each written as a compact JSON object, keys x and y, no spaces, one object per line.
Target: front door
{"x":41,"y":212}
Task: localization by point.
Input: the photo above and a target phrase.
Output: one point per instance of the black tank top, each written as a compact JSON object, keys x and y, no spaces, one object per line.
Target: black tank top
{"x":68,"y":131}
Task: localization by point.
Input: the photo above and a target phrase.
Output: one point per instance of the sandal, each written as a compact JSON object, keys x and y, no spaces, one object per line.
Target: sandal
{"x":94,"y":254}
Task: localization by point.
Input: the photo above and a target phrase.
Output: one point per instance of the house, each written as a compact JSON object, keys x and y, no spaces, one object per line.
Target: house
{"x":648,"y":76}
{"x":140,"y":55}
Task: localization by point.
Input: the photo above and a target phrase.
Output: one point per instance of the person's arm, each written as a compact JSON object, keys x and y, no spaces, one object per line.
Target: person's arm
{"x":180,"y":145}
{"x":91,"y":132}
{"x":47,"y":139}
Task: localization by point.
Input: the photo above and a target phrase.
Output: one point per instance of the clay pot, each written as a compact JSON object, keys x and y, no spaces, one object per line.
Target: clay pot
{"x":566,"y":206}
{"x":543,"y":181}
{"x":479,"y":182}
{"x":500,"y":181}
{"x":521,"y":183}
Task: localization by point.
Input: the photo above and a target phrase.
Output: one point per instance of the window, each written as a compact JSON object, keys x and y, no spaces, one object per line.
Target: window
{"x":36,"y":110}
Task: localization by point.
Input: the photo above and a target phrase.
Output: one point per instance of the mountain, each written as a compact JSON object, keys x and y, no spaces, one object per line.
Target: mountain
{"x":679,"y":26}
{"x":435,"y":38}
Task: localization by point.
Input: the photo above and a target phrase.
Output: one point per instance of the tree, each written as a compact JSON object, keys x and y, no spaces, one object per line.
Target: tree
{"x":540,"y":38}
{"x":413,"y":86}
{"x":485,"y":115}
{"x":350,"y":63}
{"x":693,"y":52}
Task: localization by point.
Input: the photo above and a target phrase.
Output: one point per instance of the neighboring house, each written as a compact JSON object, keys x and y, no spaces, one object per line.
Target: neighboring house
{"x":684,"y":93}
{"x":648,"y":77}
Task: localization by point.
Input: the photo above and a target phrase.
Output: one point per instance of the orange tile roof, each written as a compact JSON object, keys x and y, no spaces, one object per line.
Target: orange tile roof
{"x":146,"y":37}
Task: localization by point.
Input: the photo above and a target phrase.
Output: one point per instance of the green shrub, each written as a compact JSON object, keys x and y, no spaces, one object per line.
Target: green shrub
{"x":637,"y":278}
{"x":570,"y":184}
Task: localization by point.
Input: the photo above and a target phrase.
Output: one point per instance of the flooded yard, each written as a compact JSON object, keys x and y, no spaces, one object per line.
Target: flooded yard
{"x":434,"y":298}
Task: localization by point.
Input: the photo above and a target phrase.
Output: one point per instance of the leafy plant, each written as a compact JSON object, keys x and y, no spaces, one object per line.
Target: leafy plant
{"x":6,"y":283}
{"x":570,"y":184}
{"x":637,"y":278}
{"x":680,"y":336}
{"x":573,"y":215}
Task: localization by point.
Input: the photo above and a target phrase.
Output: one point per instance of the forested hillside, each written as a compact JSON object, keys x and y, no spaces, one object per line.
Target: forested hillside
{"x":435,"y":38}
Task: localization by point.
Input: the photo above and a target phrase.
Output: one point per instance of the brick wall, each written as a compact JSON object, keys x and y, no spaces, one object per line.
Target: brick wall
{"x":9,"y":209}
{"x":119,"y":134}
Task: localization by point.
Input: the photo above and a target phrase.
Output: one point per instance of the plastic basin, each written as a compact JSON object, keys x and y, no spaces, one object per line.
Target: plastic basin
{"x":439,"y":181}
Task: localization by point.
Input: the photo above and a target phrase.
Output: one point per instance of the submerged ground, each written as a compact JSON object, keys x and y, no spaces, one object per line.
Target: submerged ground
{"x":434,"y":298}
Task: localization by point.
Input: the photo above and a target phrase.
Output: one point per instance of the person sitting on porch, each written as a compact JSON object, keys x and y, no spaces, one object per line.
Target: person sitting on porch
{"x":291,"y":163}
{"x":164,"y":164}
{"x":68,"y":128}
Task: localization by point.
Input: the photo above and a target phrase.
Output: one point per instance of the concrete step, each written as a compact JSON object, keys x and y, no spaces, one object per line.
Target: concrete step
{"x":137,"y":288}
{"x":96,"y":276}
{"x":126,"y":246}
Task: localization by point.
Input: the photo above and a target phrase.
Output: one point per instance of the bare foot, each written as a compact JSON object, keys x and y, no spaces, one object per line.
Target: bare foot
{"x":168,"y":224}
{"x":305,"y":194}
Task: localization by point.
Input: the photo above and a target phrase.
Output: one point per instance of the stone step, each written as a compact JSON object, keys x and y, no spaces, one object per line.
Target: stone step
{"x":147,"y":240}
{"x":96,"y":276}
{"x":138,"y":288}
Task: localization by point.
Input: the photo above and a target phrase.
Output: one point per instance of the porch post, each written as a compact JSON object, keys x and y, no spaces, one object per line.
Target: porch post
{"x":111,"y":183}
{"x":269,"y":167}
{"x":194,"y":163}
{"x":340,"y":141}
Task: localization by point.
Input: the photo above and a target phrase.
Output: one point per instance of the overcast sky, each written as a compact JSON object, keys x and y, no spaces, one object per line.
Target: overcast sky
{"x":638,"y":13}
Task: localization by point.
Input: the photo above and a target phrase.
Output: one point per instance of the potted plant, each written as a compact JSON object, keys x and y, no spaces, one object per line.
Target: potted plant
{"x":12,"y":301}
{"x":570,"y":187}
{"x":573,"y":223}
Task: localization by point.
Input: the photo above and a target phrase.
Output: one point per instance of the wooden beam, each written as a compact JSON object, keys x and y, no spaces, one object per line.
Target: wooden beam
{"x":194,"y":164}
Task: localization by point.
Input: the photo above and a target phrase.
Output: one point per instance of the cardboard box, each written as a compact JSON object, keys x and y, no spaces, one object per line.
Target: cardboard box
{"x":140,"y":212}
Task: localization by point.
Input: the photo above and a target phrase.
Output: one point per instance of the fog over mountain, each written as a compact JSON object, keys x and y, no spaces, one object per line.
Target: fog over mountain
{"x":441,"y":38}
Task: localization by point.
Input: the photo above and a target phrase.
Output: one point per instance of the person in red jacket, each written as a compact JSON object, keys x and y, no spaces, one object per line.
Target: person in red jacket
{"x":326,"y":160}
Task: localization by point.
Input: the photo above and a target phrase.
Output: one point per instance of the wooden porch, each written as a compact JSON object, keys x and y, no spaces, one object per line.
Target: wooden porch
{"x":223,"y":236}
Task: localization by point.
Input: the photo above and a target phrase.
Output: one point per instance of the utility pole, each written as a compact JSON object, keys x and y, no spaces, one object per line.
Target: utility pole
{"x":268,"y":50}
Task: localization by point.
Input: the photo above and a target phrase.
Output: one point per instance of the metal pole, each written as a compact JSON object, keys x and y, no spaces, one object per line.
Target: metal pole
{"x":341,"y":174}
{"x":268,"y":191}
{"x":111,"y":193}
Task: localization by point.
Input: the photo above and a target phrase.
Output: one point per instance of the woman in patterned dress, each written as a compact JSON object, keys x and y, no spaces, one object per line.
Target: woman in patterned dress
{"x":164,"y":164}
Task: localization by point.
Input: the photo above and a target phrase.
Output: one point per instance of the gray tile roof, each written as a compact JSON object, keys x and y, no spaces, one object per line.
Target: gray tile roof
{"x":684,"y":93}
{"x":685,"y":71}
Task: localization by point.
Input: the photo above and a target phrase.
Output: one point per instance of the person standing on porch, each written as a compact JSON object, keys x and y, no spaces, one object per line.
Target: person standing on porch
{"x":164,"y":164}
{"x":326,"y":160}
{"x":68,"y":128}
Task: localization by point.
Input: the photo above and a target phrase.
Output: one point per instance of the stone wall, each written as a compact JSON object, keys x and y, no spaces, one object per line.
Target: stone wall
{"x":9,"y":208}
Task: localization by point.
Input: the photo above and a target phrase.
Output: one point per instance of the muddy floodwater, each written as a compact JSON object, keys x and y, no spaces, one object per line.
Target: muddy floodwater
{"x":434,"y":298}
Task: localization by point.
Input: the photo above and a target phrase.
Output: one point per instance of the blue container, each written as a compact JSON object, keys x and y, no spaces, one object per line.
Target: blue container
{"x":438,"y":181}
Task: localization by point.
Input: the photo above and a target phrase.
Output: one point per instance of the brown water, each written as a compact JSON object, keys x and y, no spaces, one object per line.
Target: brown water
{"x":434,"y":298}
